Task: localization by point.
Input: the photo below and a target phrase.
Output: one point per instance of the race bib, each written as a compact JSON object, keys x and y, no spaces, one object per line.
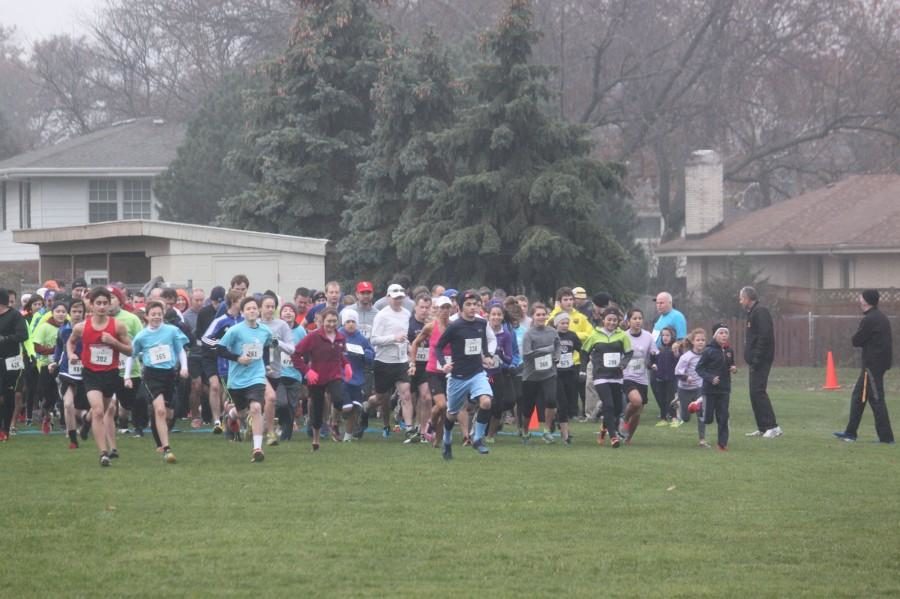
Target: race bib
{"x":473,"y":346}
{"x":637,"y":366}
{"x":543,"y":363}
{"x":253,"y":350}
{"x":160,"y":354}
{"x":286,"y":361}
{"x":75,"y":368}
{"x":421,"y":354}
{"x":355,"y":348}
{"x":566,"y":360}
{"x":611,"y":360}
{"x":14,"y":363}
{"x":101,"y":355}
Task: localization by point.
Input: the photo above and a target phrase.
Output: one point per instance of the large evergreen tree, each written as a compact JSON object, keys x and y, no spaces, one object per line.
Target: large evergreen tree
{"x":403,"y":176}
{"x":198,"y":179}
{"x":311,"y":127}
{"x":529,"y":208}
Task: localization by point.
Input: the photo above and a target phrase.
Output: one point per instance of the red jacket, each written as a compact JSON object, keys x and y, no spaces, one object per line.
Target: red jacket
{"x":317,"y":352}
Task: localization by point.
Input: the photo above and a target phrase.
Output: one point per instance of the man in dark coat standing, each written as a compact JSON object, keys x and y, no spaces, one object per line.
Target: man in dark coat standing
{"x":874,"y":337}
{"x":759,"y":353}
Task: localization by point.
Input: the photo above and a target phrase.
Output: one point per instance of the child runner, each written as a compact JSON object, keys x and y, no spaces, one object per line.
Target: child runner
{"x":689,"y":382}
{"x":437,"y":380}
{"x":715,"y":367}
{"x":360,"y":355}
{"x":75,"y":403}
{"x":540,"y":350}
{"x":161,"y":348}
{"x":44,"y":340}
{"x":664,"y":383}
{"x":418,"y":361}
{"x":290,"y":385}
{"x":567,"y":374}
{"x":279,"y":353}
{"x":635,"y":375}
{"x":499,"y":373}
{"x":610,"y":350}
{"x":243,"y":345}
{"x":102,"y":340}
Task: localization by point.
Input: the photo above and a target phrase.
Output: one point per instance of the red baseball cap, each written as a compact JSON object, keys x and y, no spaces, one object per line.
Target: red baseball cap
{"x":364,"y":286}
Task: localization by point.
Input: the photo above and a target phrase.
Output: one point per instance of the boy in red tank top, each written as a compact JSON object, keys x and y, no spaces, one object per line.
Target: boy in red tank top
{"x":102,"y":340}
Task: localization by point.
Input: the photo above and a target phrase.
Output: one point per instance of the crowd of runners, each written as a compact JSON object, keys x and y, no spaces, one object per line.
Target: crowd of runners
{"x":331,"y":363}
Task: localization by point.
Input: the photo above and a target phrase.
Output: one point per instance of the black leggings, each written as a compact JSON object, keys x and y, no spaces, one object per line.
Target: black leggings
{"x":664,"y":392}
{"x":538,"y":393}
{"x":47,"y":391}
{"x":7,"y":399}
{"x":567,"y":394}
{"x":503,"y":398}
{"x":30,"y":385}
{"x":317,"y":400}
{"x":610,"y":395}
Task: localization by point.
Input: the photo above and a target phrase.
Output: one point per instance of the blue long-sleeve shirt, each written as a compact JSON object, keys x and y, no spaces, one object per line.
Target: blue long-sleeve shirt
{"x":359,"y":353}
{"x":468,"y":345}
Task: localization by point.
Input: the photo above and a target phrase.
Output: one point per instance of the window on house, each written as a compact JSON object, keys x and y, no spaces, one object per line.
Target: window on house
{"x":820,"y":273}
{"x":2,"y":205}
{"x":25,"y":204}
{"x":102,"y":201}
{"x":846,"y":264}
{"x":136,"y":201}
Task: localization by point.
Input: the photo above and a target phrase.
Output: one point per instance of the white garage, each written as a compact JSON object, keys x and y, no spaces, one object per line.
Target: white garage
{"x":134,"y":251}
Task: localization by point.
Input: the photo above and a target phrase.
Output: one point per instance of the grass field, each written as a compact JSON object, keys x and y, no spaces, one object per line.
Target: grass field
{"x":803,"y":515}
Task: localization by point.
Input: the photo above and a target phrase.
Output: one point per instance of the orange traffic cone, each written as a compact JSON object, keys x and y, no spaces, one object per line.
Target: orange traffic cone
{"x":831,"y":381}
{"x":534,"y":425}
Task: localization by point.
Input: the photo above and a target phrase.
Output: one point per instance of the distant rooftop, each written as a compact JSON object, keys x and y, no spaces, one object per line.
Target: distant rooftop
{"x":858,"y":214}
{"x":140,"y":144}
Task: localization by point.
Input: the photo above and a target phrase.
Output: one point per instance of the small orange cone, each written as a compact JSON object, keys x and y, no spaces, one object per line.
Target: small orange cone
{"x":534,"y":425}
{"x":831,"y":381}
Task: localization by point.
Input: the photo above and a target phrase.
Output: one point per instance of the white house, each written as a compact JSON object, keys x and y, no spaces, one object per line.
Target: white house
{"x":102,"y":176}
{"x":86,"y":207}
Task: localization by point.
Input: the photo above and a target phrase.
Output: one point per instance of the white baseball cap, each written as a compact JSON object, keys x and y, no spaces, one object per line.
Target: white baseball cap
{"x":441,"y":301}
{"x":396,"y":291}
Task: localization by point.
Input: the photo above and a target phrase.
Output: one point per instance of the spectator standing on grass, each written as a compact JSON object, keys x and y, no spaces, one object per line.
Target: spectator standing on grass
{"x":668,"y":317}
{"x":759,"y":352}
{"x":715,"y":367}
{"x":874,"y":337}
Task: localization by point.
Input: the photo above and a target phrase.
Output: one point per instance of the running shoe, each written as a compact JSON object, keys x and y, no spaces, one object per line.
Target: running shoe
{"x":614,"y":441}
{"x":703,"y":444}
{"x":662,"y":423}
{"x":271,"y":439}
{"x":386,"y":432}
{"x":845,"y":436}
{"x":217,"y":428}
{"x":3,"y":437}
{"x":756,"y":433}
{"x":104,"y":460}
{"x":315,"y":447}
{"x":480,"y":447}
{"x":414,"y":438}
{"x":348,"y":437}
{"x":13,"y":431}
{"x":490,"y":440}
{"x":114,"y":454}
{"x":336,"y":434}
{"x":721,"y":448}
{"x":548,"y":438}
{"x":569,"y":440}
{"x":46,"y":427}
{"x":467,"y":441}
{"x":676,"y":423}
{"x":73,"y":445}
{"x":168,"y":456}
{"x":258,"y":456}
{"x":447,"y":453}
{"x":773,"y":432}
{"x":85,"y":429}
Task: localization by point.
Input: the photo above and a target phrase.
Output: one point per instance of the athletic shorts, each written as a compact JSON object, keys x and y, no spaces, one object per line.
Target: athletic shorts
{"x":437,"y":383}
{"x":66,"y":383}
{"x":126,"y":396}
{"x":420,"y":376}
{"x":353,"y":396}
{"x":388,"y":375}
{"x":159,"y":381}
{"x":628,"y":386}
{"x":273,"y":382}
{"x":241,"y":398}
{"x":460,"y":390}
{"x":108,"y":382}
{"x":195,"y":367}
{"x":209,"y":366}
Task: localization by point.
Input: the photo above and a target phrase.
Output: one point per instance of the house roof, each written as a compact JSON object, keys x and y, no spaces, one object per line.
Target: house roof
{"x":144,"y":145}
{"x":860,"y":214}
{"x":174,"y":232}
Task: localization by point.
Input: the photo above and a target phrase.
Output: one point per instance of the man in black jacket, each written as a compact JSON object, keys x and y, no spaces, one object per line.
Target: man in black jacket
{"x":874,"y":337}
{"x":13,"y":331}
{"x":759,"y":352}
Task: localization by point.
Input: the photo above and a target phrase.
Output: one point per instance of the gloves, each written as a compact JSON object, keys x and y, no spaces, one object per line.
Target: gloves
{"x":312,"y":377}
{"x":348,"y":372}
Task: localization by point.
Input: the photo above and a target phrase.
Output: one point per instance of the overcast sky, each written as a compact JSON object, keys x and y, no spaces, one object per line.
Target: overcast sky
{"x":36,"y":19}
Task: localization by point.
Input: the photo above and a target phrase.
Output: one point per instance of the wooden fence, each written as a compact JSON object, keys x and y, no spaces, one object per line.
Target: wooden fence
{"x":805,"y":340}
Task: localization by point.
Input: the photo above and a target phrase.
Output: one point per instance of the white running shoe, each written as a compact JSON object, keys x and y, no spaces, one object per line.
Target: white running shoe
{"x":773,"y":432}
{"x":754,"y":434}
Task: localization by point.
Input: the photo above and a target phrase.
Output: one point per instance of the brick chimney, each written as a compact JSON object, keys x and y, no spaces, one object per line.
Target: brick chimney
{"x":704,"y":202}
